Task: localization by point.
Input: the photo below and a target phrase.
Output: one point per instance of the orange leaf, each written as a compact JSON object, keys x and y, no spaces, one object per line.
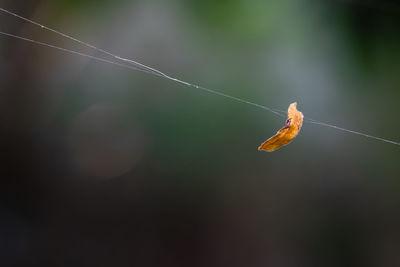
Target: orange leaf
{"x":285,"y":135}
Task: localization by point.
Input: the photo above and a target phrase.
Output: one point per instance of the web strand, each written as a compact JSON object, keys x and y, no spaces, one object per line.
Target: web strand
{"x":77,"y":53}
{"x":81,"y":42}
{"x":137,"y":66}
{"x":308,"y":120}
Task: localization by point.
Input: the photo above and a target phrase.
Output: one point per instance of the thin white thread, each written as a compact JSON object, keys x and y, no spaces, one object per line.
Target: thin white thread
{"x":139,"y":66}
{"x":277,"y":112}
{"x":81,"y":42}
{"x":149,"y":70}
{"x":77,"y":53}
{"x":351,"y":131}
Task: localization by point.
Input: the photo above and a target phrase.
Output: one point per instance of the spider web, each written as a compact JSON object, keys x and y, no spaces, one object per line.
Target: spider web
{"x":137,"y":66}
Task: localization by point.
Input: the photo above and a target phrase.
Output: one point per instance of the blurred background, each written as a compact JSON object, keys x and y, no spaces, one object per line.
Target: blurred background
{"x":106,"y":166}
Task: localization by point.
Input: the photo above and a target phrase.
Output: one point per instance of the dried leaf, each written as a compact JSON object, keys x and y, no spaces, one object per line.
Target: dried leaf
{"x":285,"y":135}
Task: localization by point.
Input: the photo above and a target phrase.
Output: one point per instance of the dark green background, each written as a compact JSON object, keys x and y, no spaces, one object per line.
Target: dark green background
{"x":106,"y":166}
